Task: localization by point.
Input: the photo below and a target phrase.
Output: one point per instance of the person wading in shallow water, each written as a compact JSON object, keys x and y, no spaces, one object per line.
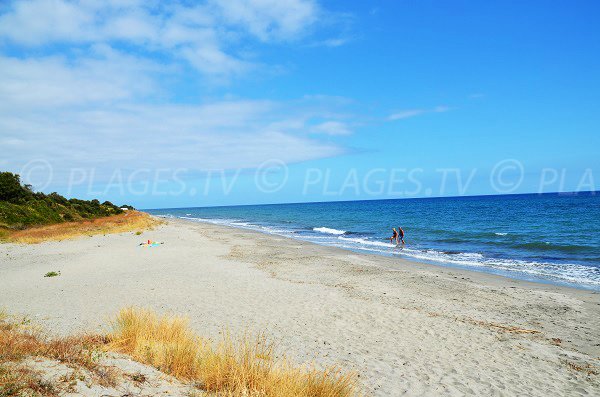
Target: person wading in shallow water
{"x":400,"y":235}
{"x":394,"y":236}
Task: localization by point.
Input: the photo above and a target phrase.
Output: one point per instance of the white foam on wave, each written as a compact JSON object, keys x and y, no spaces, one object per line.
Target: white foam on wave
{"x":328,"y":230}
{"x":469,"y":255}
{"x":226,"y":222}
{"x":367,"y":242}
{"x":273,"y":230}
{"x":570,"y":273}
{"x":500,"y":234}
{"x":240,"y":224}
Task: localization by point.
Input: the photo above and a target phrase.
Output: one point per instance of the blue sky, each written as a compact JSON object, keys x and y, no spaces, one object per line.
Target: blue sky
{"x":262,"y":101}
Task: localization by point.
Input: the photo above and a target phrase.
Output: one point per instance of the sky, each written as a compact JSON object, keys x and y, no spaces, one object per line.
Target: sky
{"x":201,"y":103}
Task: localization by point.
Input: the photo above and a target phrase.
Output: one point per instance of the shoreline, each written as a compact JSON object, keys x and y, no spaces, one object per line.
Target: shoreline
{"x":414,"y":329}
{"x":400,"y":257}
{"x":390,"y":263}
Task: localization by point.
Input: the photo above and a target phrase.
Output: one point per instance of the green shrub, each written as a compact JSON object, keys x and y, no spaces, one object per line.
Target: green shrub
{"x":20,"y":207}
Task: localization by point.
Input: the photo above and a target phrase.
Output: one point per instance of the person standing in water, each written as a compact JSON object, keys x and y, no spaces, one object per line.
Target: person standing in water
{"x":400,"y":235}
{"x":394,"y":236}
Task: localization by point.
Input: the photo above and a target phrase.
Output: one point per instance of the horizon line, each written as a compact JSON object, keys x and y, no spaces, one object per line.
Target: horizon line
{"x":569,"y":193}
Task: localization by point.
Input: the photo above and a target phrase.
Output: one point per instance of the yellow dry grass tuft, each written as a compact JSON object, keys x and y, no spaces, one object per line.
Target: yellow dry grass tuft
{"x":165,"y":343}
{"x":246,"y":367}
{"x":126,"y":222}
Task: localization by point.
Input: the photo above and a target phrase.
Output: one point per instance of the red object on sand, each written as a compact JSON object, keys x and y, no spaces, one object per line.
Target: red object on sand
{"x":148,"y":241}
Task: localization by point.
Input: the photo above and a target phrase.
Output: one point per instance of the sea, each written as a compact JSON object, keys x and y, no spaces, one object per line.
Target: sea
{"x":551,"y":238}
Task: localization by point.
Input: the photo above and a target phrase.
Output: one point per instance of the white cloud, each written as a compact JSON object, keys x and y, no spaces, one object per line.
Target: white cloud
{"x":211,"y":60}
{"x":201,"y":34}
{"x":49,"y":82}
{"x":222,"y":135}
{"x":137,"y":27}
{"x":405,"y":114}
{"x":35,"y":22}
{"x":95,"y":113}
{"x":275,"y":20}
{"x":332,"y":128}
{"x":92,"y":81}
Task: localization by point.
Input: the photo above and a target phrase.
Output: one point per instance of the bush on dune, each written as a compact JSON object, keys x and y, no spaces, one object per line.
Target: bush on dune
{"x":21,"y":207}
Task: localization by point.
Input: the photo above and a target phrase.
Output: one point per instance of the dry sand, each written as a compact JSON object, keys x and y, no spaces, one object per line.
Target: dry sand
{"x":407,"y":328}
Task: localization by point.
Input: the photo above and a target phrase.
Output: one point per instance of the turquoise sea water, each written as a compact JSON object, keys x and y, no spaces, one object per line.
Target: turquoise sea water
{"x":550,"y":238}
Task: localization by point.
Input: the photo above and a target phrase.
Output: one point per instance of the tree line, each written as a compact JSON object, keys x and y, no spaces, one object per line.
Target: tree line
{"x":21,"y":207}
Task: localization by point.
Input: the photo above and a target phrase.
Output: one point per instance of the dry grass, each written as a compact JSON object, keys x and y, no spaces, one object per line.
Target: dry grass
{"x":19,"y":381}
{"x":127,"y":222}
{"x":246,"y":367}
{"x":232,"y":367}
{"x":20,"y":340}
{"x":165,"y":343}
{"x":586,"y":368}
{"x":505,"y":328}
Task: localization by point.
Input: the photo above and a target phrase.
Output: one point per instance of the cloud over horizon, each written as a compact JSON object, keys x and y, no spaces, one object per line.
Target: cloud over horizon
{"x":97,"y":83}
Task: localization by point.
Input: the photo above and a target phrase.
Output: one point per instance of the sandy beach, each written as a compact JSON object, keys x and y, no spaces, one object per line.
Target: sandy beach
{"x":407,"y":328}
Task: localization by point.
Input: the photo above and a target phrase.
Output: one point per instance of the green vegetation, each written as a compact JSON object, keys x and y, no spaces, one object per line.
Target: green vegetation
{"x":52,"y":274}
{"x":21,"y":207}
